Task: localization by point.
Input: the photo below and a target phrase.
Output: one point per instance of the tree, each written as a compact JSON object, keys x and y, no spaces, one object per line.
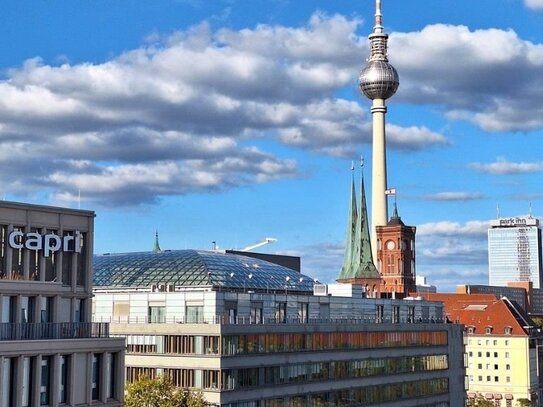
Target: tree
{"x":160,"y":392}
{"x":524,"y":403}
{"x":480,"y":401}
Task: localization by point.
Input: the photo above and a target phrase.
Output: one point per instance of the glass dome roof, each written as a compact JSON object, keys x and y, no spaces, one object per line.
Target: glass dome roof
{"x":195,"y":268}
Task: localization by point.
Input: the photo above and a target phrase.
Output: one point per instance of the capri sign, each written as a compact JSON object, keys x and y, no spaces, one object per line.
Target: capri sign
{"x":49,"y":243}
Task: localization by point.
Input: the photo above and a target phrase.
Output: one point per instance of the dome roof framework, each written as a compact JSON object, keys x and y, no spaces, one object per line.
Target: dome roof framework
{"x":192,"y":268}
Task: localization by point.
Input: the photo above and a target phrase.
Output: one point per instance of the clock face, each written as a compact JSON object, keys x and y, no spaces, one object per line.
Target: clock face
{"x":390,"y":245}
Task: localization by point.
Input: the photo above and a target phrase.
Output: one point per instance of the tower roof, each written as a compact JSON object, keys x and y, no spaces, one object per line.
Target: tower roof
{"x":395,"y":219}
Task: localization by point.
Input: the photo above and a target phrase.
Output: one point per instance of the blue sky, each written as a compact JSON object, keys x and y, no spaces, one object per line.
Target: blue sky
{"x":234,"y":120}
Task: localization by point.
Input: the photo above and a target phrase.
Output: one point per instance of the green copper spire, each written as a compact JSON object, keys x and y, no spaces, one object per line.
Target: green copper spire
{"x":156,"y":247}
{"x":347,"y":268}
{"x":365,"y":268}
{"x":358,"y":261}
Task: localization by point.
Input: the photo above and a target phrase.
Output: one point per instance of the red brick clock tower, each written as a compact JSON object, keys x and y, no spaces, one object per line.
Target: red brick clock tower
{"x":396,"y":257}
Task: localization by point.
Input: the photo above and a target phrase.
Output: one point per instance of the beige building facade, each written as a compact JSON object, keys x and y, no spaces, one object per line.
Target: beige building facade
{"x":51,"y":353}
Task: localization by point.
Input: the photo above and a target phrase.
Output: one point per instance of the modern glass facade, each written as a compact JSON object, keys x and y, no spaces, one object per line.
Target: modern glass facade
{"x":514,"y":252}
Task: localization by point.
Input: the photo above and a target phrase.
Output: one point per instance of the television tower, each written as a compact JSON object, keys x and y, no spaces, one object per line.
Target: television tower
{"x":378,"y":81}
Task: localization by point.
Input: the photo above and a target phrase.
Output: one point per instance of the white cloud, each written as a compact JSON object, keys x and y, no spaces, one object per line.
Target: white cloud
{"x":534,"y":4}
{"x":474,"y":228}
{"x":504,"y":167}
{"x":150,"y":109}
{"x":469,"y":74}
{"x":454,"y":196}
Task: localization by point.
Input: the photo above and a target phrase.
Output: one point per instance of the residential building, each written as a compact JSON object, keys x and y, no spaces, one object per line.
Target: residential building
{"x":250,"y":333}
{"x":503,"y":347}
{"x":50,"y":352}
{"x":514,"y":251}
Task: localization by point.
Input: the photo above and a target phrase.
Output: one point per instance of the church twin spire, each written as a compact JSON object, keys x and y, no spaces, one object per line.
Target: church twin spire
{"x":358,"y":260}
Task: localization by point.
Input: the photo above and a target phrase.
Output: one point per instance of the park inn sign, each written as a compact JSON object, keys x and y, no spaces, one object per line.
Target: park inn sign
{"x":49,"y":243}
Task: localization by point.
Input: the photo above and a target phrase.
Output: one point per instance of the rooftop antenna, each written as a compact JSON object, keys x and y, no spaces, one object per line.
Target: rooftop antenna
{"x":530,"y":213}
{"x":497,"y":211}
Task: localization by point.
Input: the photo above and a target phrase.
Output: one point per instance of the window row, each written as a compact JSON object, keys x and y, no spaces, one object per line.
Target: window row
{"x":234,"y":379}
{"x":30,"y":378}
{"x":265,"y":343}
{"x":358,"y":396}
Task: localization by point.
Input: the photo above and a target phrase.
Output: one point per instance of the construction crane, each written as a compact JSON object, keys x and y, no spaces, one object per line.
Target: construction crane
{"x":267,"y":240}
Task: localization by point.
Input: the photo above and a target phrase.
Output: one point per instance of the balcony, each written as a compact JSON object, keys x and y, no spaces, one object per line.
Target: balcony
{"x":59,"y":330}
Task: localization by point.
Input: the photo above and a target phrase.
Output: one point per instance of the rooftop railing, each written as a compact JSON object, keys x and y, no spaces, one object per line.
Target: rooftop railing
{"x":246,"y":320}
{"x":52,"y":330}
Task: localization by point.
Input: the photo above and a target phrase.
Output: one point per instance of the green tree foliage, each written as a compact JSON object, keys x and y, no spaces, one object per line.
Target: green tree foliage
{"x":538,"y":321}
{"x":524,"y":403}
{"x":480,"y":401}
{"x":160,"y":392}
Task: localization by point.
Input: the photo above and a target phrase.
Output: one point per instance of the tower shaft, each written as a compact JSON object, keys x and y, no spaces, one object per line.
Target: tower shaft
{"x":379,"y":204}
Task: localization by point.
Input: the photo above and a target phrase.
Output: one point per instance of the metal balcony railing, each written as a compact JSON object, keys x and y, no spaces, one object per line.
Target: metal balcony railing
{"x":52,"y":330}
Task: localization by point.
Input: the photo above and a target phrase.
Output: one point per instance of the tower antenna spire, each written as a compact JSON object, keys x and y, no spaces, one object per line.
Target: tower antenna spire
{"x":378,"y":27}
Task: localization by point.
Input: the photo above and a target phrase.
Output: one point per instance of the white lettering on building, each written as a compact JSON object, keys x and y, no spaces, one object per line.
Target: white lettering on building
{"x":49,"y":243}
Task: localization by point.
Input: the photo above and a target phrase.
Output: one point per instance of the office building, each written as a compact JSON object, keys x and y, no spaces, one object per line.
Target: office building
{"x":514,"y":251}
{"x":503,"y":348}
{"x":51,"y":353}
{"x":250,"y":333}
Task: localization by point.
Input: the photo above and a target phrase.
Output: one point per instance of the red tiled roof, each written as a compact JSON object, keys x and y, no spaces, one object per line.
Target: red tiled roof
{"x":480,"y":311}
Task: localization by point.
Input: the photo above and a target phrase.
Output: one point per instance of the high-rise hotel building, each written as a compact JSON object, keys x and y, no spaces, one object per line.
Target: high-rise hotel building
{"x":514,"y":251}
{"x":50,"y":352}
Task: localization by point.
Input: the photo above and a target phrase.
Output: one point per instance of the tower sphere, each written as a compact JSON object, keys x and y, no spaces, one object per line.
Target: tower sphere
{"x":378,"y":80}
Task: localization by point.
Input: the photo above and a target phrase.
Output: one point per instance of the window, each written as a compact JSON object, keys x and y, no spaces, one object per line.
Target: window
{"x":478,"y":340}
{"x":157,"y":314}
{"x":480,"y":378}
{"x":488,"y":366}
{"x":488,"y":354}
{"x":395,"y":314}
{"x":488,"y":331}
{"x":379,"y":312}
{"x":508,"y":330}
{"x":471,"y":330}
{"x":495,"y":342}
{"x":256,"y":313}
{"x":95,"y":384}
{"x":45,"y":387}
{"x":488,"y":378}
{"x":194,"y":313}
{"x":495,"y":354}
{"x":479,"y":354}
{"x":496,"y":378}
{"x":303,"y":312}
{"x":281,"y":312}
{"x":507,"y":355}
{"x":507,"y":342}
{"x":410,"y":313}
{"x":470,"y":354}
{"x":471,"y":378}
{"x":480,"y":366}
{"x":508,"y":367}
{"x":63,"y":382}
{"x":495,"y":367}
{"x":508,"y":379}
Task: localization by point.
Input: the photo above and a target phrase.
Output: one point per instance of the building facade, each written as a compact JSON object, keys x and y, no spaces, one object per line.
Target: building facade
{"x":503,"y":348}
{"x":514,"y":251}
{"x":50,"y":352}
{"x":249,"y":333}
